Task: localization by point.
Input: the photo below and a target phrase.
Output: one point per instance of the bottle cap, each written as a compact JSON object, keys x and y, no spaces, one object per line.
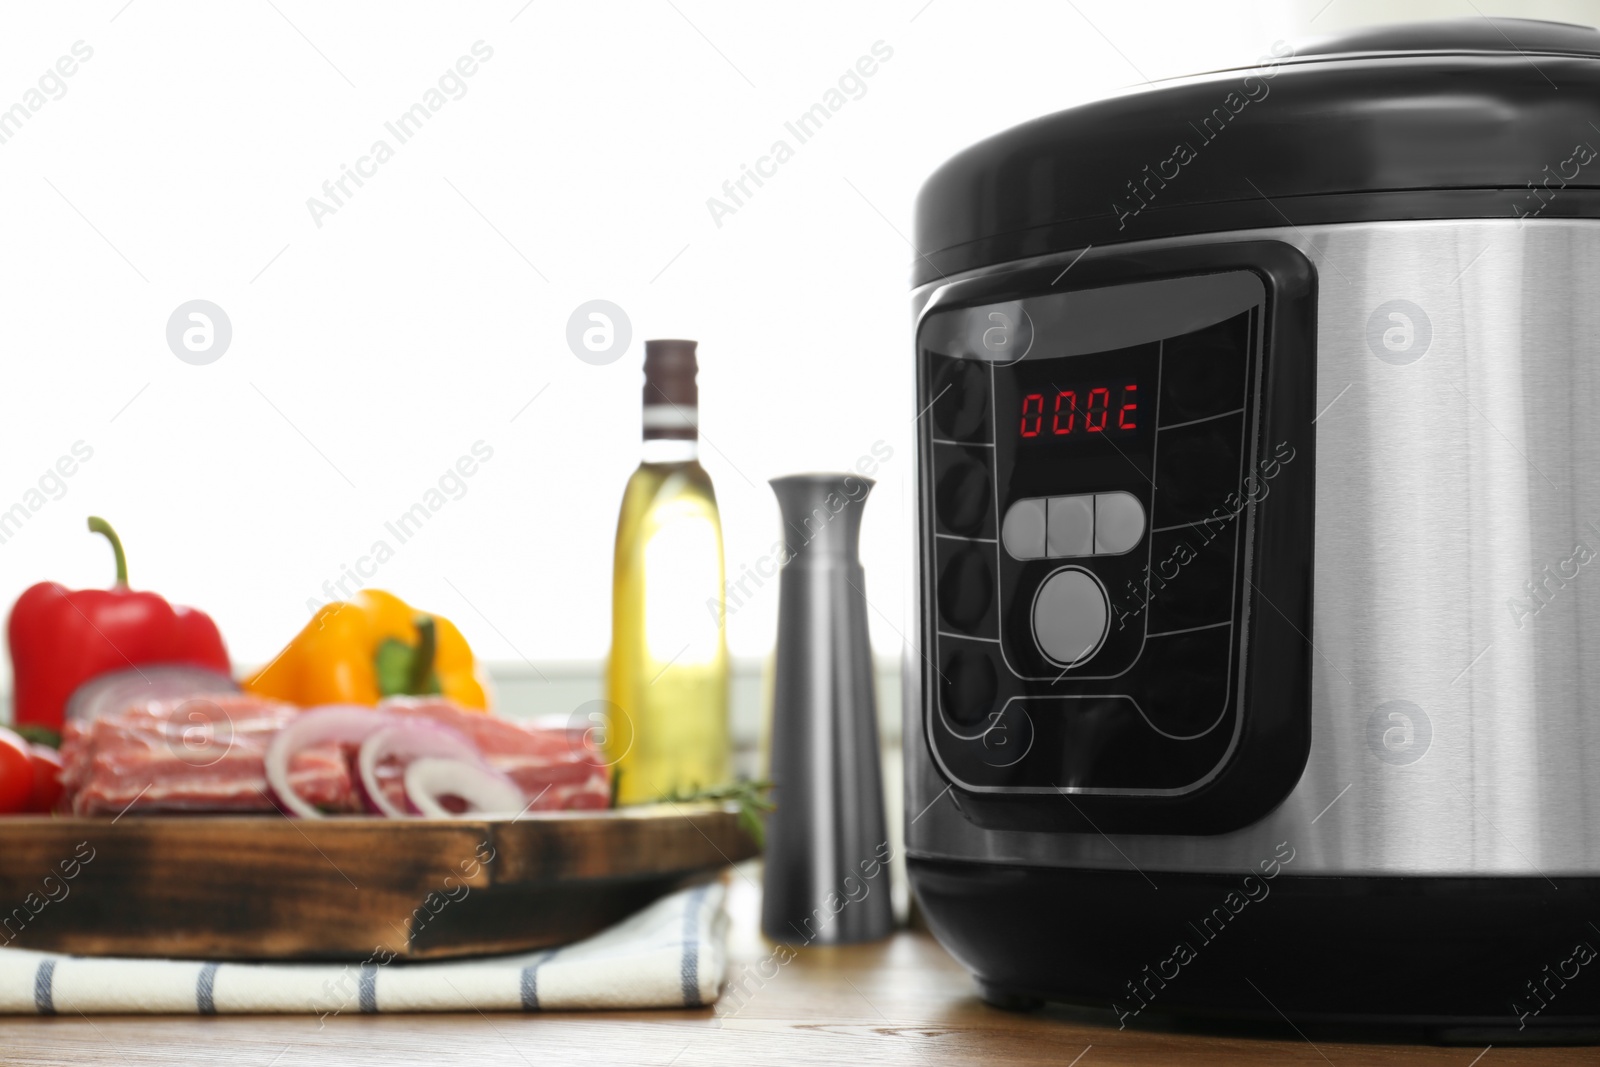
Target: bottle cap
{"x":671,"y":395}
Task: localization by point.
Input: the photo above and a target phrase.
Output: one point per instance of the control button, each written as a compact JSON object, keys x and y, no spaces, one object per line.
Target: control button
{"x":1103,"y":742}
{"x":1023,"y":532}
{"x":966,"y":589}
{"x":1071,"y":525}
{"x":961,"y":399}
{"x":1203,"y":373}
{"x":1191,"y":576}
{"x":1186,"y":690}
{"x":1199,"y":473}
{"x":1118,"y":523}
{"x":970,"y":686}
{"x":963,"y":496}
{"x":1070,"y":616}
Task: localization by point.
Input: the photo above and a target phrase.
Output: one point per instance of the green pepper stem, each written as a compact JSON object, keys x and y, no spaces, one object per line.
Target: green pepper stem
{"x":422,"y":660}
{"x":101,"y":526}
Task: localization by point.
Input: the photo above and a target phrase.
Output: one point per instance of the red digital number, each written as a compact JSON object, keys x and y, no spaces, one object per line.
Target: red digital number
{"x":1104,"y":396}
{"x":1096,"y":413}
{"x":1123,"y":421}
{"x":1072,"y":411}
{"x":1037,"y":400}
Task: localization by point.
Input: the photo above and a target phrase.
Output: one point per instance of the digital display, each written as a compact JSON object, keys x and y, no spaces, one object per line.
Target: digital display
{"x":1081,"y":411}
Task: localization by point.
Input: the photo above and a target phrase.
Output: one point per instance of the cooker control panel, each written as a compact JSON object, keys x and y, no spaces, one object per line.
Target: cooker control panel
{"x":1094,"y":463}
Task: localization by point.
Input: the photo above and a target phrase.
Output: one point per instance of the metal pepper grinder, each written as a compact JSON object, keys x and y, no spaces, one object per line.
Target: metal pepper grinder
{"x":827,"y":871}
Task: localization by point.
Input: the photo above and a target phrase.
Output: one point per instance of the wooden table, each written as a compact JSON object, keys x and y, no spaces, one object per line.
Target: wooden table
{"x":902,"y":1001}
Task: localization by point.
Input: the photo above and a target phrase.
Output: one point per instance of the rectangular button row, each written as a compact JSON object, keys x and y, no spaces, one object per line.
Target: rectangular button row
{"x":1059,"y":527}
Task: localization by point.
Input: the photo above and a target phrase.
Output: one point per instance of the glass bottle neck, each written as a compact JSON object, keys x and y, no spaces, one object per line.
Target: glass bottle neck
{"x":670,"y":449}
{"x":671,"y":433}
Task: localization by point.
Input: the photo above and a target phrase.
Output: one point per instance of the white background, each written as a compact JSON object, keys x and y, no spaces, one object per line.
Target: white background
{"x":375,"y":350}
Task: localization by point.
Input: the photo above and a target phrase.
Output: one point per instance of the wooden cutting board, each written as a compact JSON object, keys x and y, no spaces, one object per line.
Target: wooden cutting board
{"x":267,"y":887}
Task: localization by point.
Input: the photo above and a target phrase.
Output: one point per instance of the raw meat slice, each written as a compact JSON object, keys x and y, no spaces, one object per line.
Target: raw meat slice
{"x":207,"y":754}
{"x":200,"y":754}
{"x":556,"y":769}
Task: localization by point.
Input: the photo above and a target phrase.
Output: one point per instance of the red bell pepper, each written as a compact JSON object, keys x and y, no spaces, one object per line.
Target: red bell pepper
{"x":61,"y":638}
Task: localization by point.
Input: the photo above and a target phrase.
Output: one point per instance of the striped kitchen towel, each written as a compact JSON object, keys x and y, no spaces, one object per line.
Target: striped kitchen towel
{"x":673,"y":954}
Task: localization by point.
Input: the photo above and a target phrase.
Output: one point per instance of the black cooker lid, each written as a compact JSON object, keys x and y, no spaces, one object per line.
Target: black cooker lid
{"x":1468,"y":118}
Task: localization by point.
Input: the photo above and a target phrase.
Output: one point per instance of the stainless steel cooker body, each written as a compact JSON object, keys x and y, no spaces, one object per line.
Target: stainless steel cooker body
{"x":1455,"y":675}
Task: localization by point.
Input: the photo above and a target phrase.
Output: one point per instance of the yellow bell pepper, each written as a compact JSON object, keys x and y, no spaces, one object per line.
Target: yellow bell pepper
{"x":370,"y":647}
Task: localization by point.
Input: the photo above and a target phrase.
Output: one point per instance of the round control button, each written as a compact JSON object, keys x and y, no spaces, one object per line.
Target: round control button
{"x":1070,"y":616}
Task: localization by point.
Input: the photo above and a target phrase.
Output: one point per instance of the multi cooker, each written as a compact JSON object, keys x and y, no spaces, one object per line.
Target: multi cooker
{"x":1257,"y":673}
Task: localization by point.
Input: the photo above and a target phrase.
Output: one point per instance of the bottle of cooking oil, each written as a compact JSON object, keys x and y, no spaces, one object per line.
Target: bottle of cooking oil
{"x":667,"y":680}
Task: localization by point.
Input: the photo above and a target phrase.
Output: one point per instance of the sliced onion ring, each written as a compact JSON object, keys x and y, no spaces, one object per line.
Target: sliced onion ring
{"x":108,"y":694}
{"x":409,"y":739}
{"x":346,"y":724}
{"x":486,"y":790}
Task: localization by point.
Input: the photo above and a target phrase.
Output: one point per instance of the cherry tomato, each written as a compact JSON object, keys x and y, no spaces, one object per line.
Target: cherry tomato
{"x":46,"y":777}
{"x":16,"y":772}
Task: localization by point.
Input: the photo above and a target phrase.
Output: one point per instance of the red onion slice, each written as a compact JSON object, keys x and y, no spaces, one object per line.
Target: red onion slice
{"x":342,"y":723}
{"x":108,"y":694}
{"x":486,"y":791}
{"x":409,"y":740}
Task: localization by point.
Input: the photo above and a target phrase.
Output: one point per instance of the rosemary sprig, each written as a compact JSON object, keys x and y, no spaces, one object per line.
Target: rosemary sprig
{"x":751,"y":796}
